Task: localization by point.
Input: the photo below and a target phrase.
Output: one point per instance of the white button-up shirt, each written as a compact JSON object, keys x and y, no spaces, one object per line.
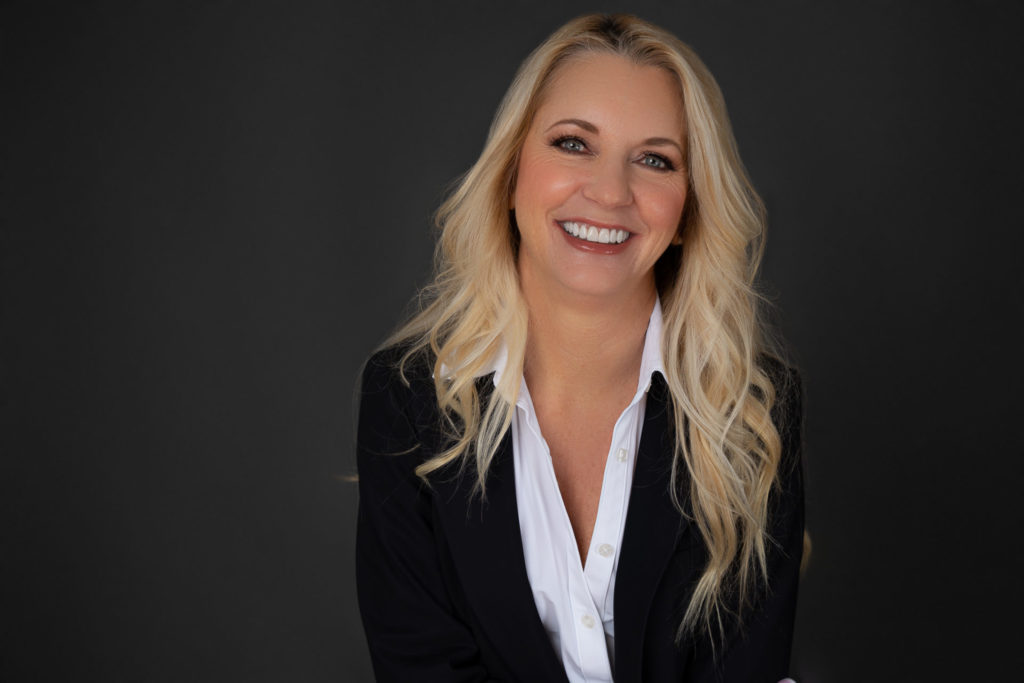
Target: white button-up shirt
{"x":575,"y":604}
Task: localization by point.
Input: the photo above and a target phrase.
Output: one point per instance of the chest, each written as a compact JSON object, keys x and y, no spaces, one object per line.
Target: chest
{"x":573,"y":482}
{"x":538,"y":577}
{"x":582,"y":441}
{"x":579,"y":452}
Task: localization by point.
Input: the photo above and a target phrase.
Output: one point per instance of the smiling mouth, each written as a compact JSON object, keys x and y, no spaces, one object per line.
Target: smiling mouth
{"x":594,"y":234}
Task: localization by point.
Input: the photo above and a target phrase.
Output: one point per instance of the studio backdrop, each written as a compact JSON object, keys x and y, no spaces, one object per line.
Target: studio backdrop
{"x":212,"y":212}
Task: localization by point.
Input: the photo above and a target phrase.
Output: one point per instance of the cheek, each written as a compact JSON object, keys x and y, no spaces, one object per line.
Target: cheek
{"x":664,"y":207}
{"x":540,"y":185}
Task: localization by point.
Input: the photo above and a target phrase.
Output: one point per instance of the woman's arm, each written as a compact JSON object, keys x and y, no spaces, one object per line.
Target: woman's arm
{"x":411,"y":626}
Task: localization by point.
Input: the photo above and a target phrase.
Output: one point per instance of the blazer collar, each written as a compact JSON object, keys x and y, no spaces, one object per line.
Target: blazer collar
{"x":653,"y":527}
{"x":486,"y":545}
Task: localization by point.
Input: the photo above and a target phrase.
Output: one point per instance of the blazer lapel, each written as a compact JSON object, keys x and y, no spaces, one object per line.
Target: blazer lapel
{"x":653,"y":526}
{"x":487,"y":548}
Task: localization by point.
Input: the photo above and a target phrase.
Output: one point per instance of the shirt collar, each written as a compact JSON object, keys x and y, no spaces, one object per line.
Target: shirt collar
{"x":651,"y":360}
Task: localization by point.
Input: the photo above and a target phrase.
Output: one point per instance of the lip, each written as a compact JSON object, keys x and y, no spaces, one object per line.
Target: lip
{"x":593,"y":247}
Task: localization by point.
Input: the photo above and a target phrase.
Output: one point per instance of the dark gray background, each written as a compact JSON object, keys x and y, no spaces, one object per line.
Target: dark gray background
{"x":213,"y":211}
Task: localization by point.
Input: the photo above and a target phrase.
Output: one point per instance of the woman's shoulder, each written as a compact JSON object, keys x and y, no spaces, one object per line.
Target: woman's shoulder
{"x":398,"y":385}
{"x":783,"y":374}
{"x":398,"y":365}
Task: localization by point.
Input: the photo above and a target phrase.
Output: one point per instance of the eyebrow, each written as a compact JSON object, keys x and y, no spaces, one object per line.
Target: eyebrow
{"x":591,"y":128}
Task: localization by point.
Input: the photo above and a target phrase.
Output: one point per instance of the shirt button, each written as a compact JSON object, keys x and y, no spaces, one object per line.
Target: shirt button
{"x":605,"y":550}
{"x":622,"y":454}
{"x":587,"y":621}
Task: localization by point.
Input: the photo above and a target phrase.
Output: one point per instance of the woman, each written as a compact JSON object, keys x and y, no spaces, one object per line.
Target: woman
{"x":580,"y":460}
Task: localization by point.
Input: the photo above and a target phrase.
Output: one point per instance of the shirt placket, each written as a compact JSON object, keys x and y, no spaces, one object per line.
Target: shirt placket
{"x":603,"y":550}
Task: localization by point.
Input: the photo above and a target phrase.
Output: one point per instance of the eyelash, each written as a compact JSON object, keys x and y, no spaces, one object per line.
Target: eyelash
{"x":561,"y":141}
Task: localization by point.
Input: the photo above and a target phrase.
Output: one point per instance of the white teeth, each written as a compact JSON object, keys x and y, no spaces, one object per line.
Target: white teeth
{"x":591,"y":233}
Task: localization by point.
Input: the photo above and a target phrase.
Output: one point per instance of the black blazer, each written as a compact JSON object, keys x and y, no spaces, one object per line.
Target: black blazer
{"x":442,"y":583}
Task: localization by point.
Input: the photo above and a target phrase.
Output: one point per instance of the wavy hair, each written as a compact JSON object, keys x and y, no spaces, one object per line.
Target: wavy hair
{"x":726,"y":445}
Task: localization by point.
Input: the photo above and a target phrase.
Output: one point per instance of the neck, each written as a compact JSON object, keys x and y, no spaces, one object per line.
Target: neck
{"x":585,"y":345}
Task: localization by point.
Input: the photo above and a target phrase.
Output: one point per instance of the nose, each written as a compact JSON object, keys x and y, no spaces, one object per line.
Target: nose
{"x":608,"y":184}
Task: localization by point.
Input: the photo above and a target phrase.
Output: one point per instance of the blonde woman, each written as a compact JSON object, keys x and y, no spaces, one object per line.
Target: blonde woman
{"x":580,"y":460}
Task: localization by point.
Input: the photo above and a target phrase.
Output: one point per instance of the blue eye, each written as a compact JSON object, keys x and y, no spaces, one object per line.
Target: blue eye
{"x":656,"y":161}
{"x":571,"y":144}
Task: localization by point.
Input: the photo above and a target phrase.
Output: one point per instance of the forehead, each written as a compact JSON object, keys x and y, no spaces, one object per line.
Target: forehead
{"x":609,"y":89}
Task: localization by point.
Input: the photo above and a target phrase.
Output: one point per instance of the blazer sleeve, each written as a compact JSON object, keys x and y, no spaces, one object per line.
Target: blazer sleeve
{"x":411,"y":625}
{"x":759,"y":650}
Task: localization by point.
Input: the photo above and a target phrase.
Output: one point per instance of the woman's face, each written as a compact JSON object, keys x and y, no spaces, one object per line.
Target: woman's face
{"x":601,"y":181}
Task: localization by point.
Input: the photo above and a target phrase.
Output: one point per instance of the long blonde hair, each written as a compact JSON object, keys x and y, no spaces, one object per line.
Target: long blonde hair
{"x":714,"y":333}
